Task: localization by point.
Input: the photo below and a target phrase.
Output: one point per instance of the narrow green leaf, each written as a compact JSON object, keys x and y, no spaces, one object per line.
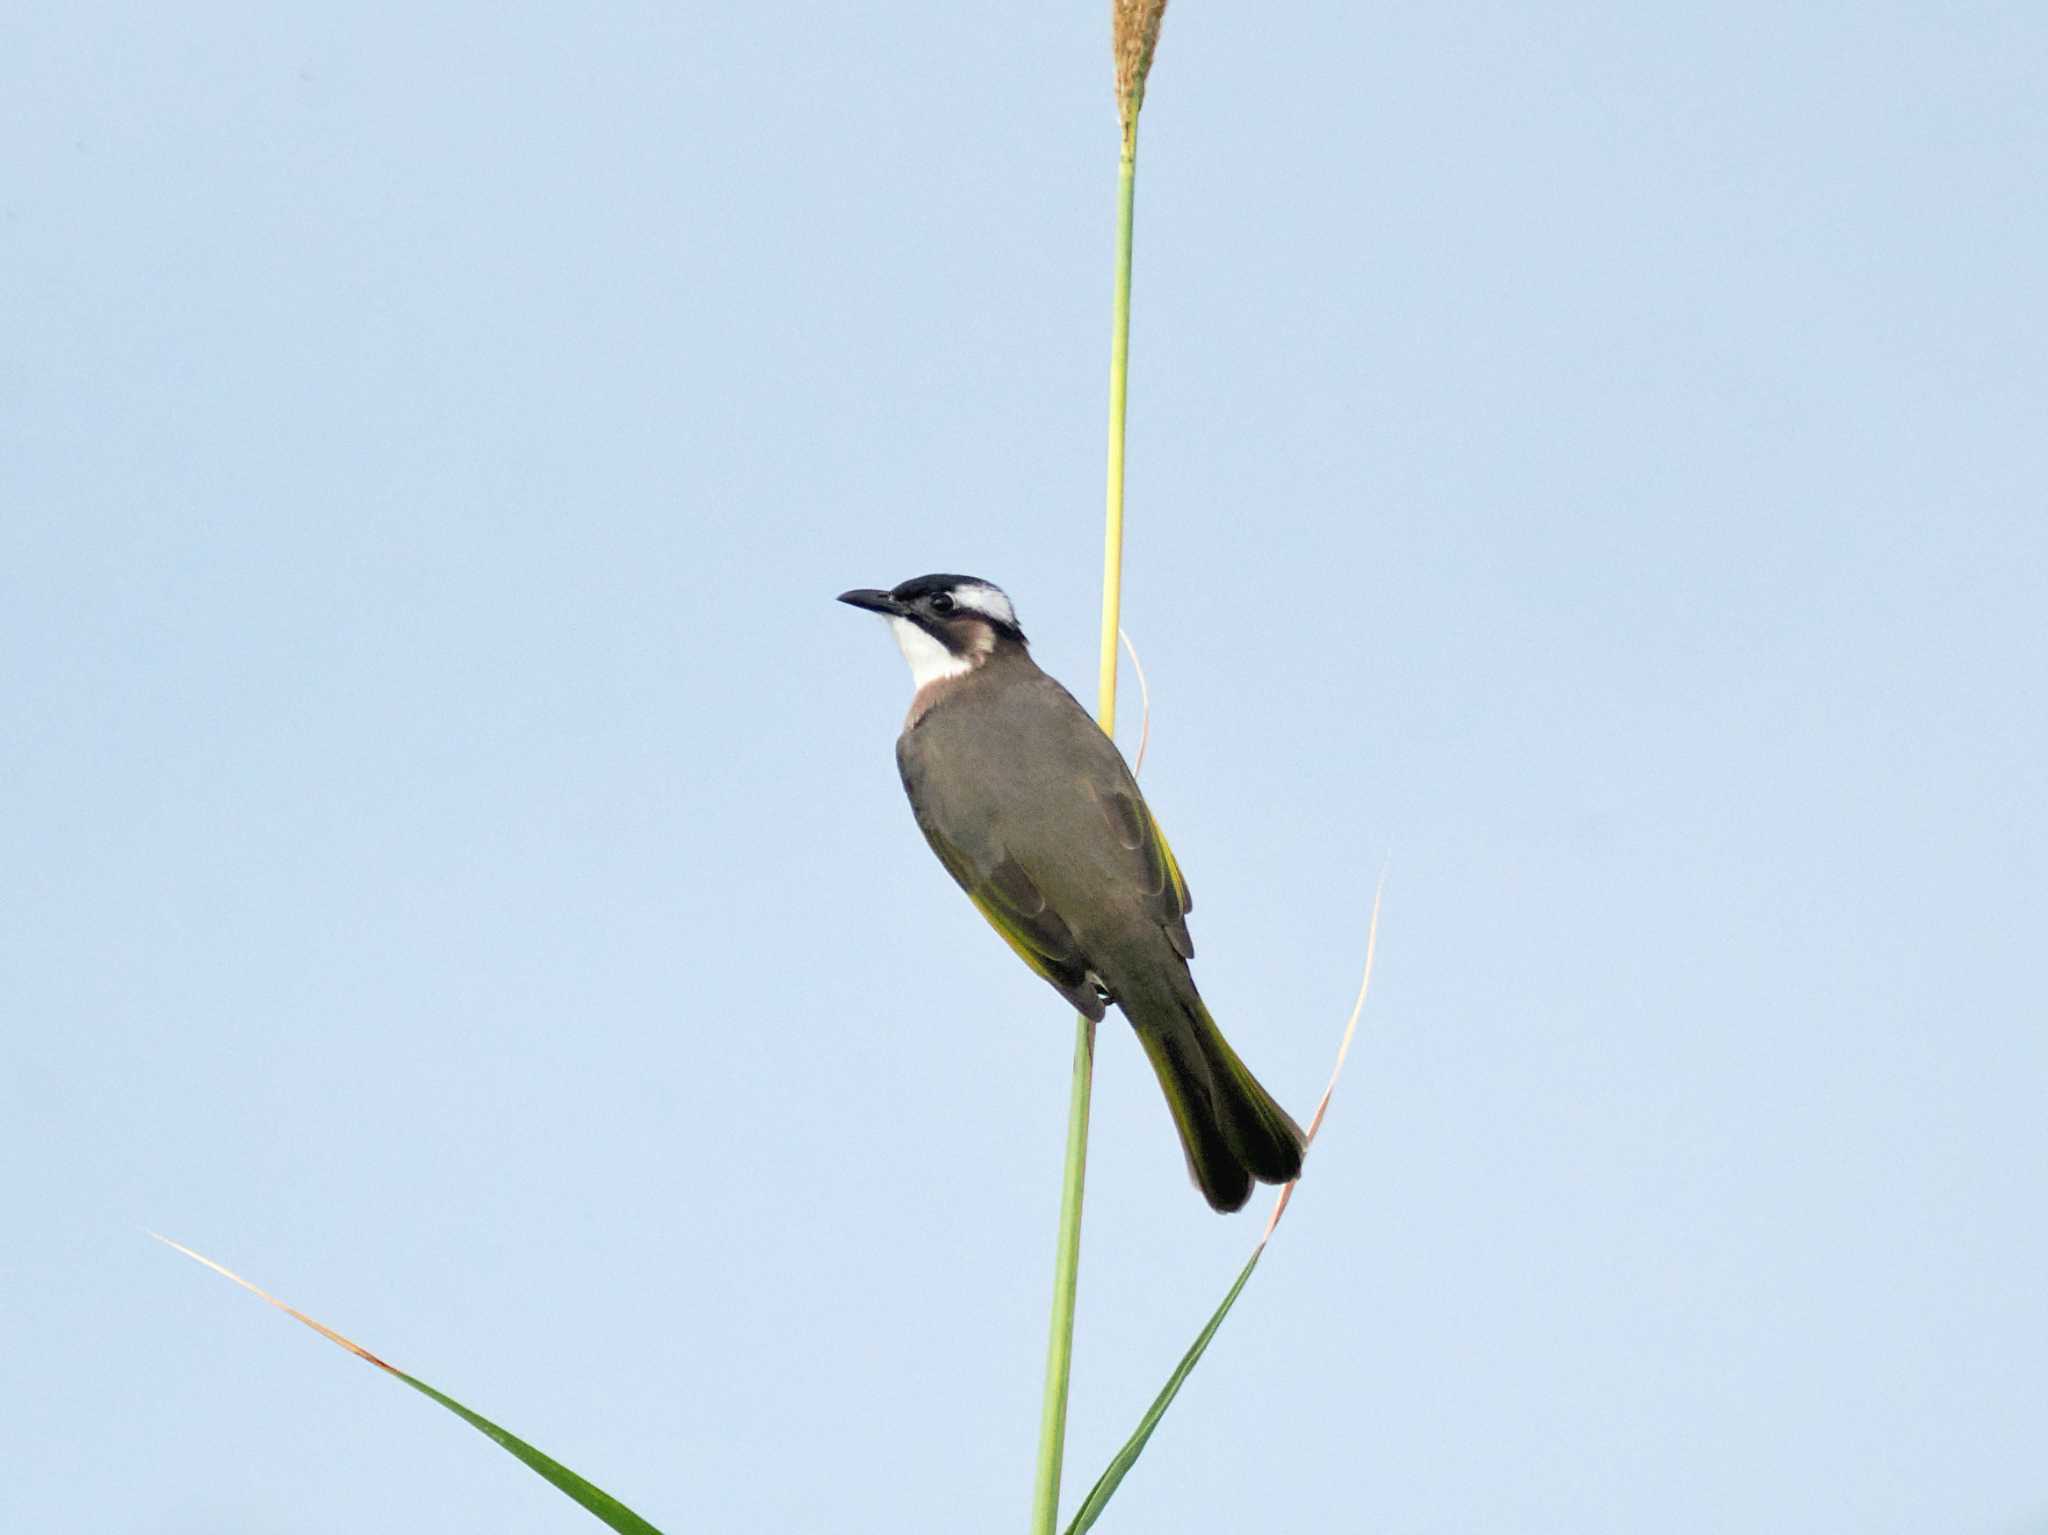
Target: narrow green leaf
{"x":1106,"y":1485}
{"x":595,"y":1499}
{"x":1120,"y":1464}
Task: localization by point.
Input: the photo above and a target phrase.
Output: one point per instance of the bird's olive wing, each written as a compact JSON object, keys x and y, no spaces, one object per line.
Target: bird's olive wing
{"x":1135,"y":827}
{"x":1004,"y":894}
{"x":1180,"y":884}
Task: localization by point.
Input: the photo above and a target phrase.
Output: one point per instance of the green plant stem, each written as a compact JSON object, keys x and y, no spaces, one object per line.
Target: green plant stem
{"x":1119,"y":382}
{"x":1052,"y":1429}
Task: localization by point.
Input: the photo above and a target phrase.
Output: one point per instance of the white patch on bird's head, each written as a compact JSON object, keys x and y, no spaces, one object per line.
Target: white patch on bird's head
{"x":983,"y":598}
{"x":930,"y":661}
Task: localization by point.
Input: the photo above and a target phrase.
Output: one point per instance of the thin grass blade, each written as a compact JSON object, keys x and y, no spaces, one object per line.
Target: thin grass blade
{"x":594,"y":1498}
{"x":1120,"y":1464}
{"x":1144,"y":704}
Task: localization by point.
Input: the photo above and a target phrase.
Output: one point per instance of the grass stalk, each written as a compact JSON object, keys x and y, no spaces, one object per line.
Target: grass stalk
{"x":1052,"y":1427}
{"x":1119,"y":386}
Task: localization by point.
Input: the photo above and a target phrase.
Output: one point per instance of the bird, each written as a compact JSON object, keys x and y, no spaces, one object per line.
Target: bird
{"x":1032,"y":810}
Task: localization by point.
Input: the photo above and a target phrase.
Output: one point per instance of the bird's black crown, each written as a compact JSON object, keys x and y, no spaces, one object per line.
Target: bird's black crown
{"x":919,"y":590}
{"x":929,"y":586}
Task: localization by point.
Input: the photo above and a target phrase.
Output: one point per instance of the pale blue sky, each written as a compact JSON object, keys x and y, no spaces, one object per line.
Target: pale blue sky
{"x":1590,"y":460}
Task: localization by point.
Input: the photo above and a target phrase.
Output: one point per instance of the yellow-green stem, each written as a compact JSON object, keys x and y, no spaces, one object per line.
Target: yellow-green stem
{"x":1119,"y":379}
{"x":1052,"y":1428}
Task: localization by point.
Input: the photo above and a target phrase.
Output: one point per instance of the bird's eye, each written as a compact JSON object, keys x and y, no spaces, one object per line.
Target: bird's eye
{"x":942,"y":603}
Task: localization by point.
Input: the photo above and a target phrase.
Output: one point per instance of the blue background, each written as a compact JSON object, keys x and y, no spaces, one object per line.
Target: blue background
{"x":1589,"y":461}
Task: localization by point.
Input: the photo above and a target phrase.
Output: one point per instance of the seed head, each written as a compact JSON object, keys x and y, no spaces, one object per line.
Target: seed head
{"x":1134,"y":31}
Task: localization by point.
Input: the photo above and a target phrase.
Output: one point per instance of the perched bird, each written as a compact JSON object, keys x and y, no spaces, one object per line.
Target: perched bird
{"x":1031,"y":809}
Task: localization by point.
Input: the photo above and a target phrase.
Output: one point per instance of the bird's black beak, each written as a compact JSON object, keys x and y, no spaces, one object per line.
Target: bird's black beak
{"x":874,"y":601}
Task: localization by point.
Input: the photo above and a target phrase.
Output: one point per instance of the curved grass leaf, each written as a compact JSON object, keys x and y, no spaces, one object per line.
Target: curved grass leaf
{"x":596,"y":1499}
{"x":1106,"y":1484}
{"x":1120,"y":1463}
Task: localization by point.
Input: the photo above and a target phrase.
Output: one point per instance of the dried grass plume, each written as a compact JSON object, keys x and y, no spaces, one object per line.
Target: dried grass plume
{"x":1134,"y":30}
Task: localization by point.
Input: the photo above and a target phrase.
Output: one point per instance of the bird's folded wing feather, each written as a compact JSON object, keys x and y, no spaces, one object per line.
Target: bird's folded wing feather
{"x":1135,"y":827}
{"x":991,"y":786}
{"x":1015,"y":908}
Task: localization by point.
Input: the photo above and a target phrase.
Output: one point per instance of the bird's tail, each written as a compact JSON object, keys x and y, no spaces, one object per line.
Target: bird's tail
{"x":1230,"y":1127}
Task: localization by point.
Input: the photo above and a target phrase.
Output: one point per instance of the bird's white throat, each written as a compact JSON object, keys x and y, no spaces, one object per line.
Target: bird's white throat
{"x":929,"y":660}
